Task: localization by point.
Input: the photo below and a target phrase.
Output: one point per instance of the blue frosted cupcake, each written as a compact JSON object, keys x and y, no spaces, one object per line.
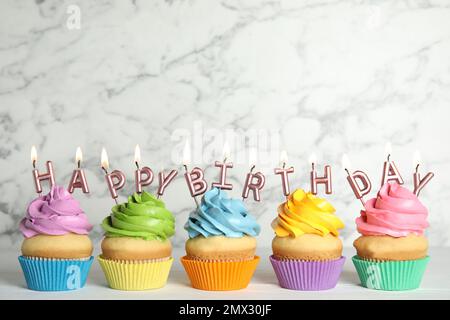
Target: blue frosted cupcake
{"x":56,"y":252}
{"x":220,"y":252}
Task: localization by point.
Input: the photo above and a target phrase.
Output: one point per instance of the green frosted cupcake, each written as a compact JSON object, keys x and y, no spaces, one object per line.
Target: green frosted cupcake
{"x":136,"y":250}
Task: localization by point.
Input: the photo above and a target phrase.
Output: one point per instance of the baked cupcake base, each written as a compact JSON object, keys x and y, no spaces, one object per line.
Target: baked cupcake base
{"x":306,"y":275}
{"x":390,"y":275}
{"x":44,"y":274}
{"x":219,"y":275}
{"x":136,"y":275}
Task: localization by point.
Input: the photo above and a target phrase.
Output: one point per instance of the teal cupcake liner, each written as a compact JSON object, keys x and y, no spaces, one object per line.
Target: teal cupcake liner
{"x":55,"y":274}
{"x":390,"y":275}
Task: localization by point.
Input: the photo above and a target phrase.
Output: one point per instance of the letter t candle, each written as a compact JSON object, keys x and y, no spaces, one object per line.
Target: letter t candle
{"x":284,"y":173}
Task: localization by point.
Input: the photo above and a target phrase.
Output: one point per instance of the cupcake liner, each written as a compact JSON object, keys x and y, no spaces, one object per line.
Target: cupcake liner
{"x":136,"y":275}
{"x":307,"y":275}
{"x":55,"y":274}
{"x":390,"y":275}
{"x":219,"y":275}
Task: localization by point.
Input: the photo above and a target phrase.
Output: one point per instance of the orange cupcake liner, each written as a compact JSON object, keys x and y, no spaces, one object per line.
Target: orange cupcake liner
{"x":219,"y":275}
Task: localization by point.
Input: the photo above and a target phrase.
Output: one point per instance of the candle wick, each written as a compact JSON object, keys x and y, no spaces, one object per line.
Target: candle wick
{"x":252,"y":168}
{"x":313,"y":166}
{"x":389,"y":158}
{"x":106,"y":171}
{"x":284,"y":165}
{"x":137,"y":165}
{"x":185,"y":168}
{"x":417,"y":168}
{"x":347,"y":171}
{"x":78,"y":164}
{"x":34,"y":164}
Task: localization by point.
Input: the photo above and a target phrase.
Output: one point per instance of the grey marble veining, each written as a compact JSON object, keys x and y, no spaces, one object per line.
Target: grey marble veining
{"x":307,"y":76}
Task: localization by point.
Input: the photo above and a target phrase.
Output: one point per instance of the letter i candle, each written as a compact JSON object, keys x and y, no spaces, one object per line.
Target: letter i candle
{"x":392,"y":249}
{"x":307,"y":252}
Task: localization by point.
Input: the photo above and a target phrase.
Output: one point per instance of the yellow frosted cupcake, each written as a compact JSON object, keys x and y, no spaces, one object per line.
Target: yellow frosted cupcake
{"x":307,"y":252}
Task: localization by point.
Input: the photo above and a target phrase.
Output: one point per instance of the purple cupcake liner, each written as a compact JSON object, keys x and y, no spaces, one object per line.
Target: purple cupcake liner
{"x":307,"y":275}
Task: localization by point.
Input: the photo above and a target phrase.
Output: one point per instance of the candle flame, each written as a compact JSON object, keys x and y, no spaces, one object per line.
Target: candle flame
{"x":78,"y":155}
{"x":283,"y":157}
{"x":346,"y":162}
{"x":137,"y":154}
{"x":388,"y":149}
{"x":104,"y":160}
{"x":33,"y":154}
{"x":313,"y":158}
{"x":187,"y":153}
{"x":417,"y":159}
{"x":226,"y":150}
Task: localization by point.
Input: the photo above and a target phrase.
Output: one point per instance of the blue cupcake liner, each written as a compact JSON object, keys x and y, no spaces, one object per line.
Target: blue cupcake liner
{"x":55,"y":274}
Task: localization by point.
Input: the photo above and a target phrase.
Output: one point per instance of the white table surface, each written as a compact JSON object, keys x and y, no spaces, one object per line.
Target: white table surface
{"x":264,"y":286}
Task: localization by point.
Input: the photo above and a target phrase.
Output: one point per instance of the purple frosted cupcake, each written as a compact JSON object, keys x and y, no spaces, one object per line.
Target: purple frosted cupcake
{"x":307,"y":252}
{"x":56,"y":252}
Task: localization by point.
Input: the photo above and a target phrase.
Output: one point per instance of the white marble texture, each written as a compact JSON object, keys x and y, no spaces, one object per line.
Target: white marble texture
{"x":315,"y":76}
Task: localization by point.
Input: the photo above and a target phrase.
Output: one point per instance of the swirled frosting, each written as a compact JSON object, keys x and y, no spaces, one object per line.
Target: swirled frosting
{"x":56,"y":213}
{"x":305,"y":213}
{"x":143,"y":216}
{"x":219,"y":215}
{"x":395,"y":211}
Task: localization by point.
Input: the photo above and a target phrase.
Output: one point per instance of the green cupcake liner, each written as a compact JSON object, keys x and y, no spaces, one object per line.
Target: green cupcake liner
{"x":390,"y":275}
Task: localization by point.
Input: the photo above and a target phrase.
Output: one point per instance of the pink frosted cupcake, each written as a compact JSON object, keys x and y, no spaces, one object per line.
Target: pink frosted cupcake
{"x":392,"y":251}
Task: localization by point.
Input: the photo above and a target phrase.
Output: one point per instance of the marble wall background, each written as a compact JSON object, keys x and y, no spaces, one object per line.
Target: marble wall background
{"x":309,"y":76}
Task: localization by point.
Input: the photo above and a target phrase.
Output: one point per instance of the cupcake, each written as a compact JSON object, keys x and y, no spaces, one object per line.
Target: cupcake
{"x":392,"y":248}
{"x":220,"y":252}
{"x":56,"y":252}
{"x":307,"y":252}
{"x":136,"y":250}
